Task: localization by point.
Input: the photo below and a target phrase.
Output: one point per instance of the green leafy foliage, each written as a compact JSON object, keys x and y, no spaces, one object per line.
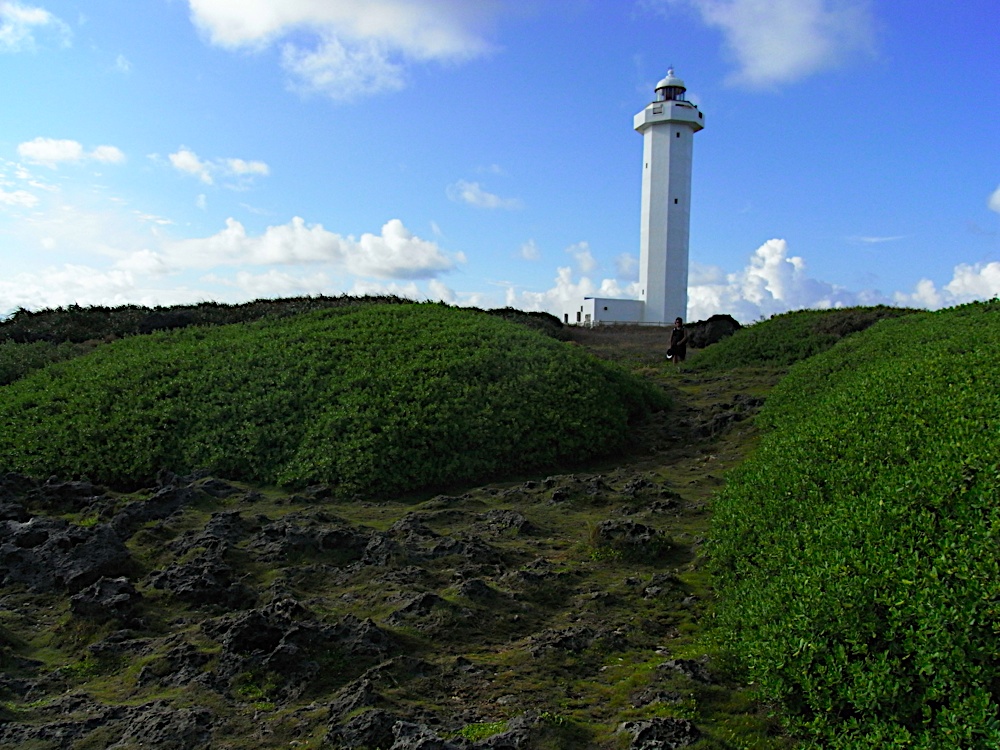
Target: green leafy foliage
{"x":17,"y":360}
{"x":856,"y":552}
{"x":482,"y":730}
{"x":374,"y":399}
{"x":790,"y":337}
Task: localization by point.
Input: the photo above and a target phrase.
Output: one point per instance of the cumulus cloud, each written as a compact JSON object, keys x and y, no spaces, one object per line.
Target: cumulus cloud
{"x":969,"y":282}
{"x":18,"y":198}
{"x":107,"y":154}
{"x":772,"y":282}
{"x":187,"y":161}
{"x":273,"y":283}
{"x":55,"y":287}
{"x":51,"y":152}
{"x":474,"y":195}
{"x":627,"y":267}
{"x":20,"y":23}
{"x":340,"y":72}
{"x":568,"y":292}
{"x":994,"y":200}
{"x":781,"y":41}
{"x":241,"y":167}
{"x":529,"y":250}
{"x":585,"y":261}
{"x":395,"y":253}
{"x":356,"y":47}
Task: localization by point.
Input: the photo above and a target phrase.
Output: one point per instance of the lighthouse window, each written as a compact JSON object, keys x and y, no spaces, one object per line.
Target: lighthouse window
{"x":678,"y":134}
{"x":675,"y":200}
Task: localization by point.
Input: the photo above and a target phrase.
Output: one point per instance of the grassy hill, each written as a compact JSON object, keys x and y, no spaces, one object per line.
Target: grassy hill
{"x":821,"y":573}
{"x":791,"y":337}
{"x":370,"y":400}
{"x":856,"y":551}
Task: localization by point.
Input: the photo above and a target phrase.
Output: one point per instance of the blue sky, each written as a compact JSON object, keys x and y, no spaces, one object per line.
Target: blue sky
{"x":176,"y":151}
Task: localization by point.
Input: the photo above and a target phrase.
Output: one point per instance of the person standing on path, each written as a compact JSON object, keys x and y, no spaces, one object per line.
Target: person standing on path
{"x":678,"y":342}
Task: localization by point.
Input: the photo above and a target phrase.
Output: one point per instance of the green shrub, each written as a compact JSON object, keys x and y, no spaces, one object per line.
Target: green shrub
{"x":17,"y":360}
{"x":374,"y":399}
{"x":857,"y":552}
{"x":790,"y":337}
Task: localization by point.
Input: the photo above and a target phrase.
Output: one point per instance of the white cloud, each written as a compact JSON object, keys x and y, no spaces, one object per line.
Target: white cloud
{"x":107,"y":154}
{"x":359,"y":47}
{"x":19,"y":23}
{"x":122,"y":64}
{"x":55,"y":287}
{"x":274,"y":283}
{"x":18,"y":198}
{"x":772,"y":282}
{"x":994,"y":200}
{"x":186,"y":160}
{"x":529,"y":250}
{"x":878,"y":240}
{"x":51,"y":152}
{"x":364,"y":287}
{"x":473,"y":194}
{"x":241,"y":167}
{"x":394,"y":254}
{"x":969,"y":282}
{"x":627,"y":267}
{"x":342,"y":74}
{"x":584,"y":258}
{"x":568,"y":293}
{"x":781,"y":41}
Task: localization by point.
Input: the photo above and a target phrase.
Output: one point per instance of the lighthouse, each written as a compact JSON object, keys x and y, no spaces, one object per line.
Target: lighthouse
{"x":667,"y":126}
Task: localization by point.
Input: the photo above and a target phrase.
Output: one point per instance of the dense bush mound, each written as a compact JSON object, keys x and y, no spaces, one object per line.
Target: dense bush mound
{"x":17,"y":360}
{"x":374,"y":399}
{"x":78,"y":324}
{"x":29,"y":340}
{"x":790,"y":337}
{"x":857,"y":552}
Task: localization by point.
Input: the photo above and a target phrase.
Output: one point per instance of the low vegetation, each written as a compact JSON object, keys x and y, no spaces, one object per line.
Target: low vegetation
{"x":855,"y":553}
{"x":791,"y":337}
{"x":374,"y":399}
{"x":32,"y":339}
{"x":850,"y":575}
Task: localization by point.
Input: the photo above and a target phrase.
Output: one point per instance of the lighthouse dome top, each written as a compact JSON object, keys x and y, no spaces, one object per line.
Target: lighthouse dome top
{"x":671,"y":80}
{"x":670,"y":89}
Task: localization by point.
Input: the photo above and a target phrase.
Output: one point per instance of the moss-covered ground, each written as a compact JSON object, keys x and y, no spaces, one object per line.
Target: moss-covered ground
{"x":535,"y":609}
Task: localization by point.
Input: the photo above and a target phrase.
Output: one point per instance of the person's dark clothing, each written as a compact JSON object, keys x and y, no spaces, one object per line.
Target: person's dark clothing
{"x":678,"y":344}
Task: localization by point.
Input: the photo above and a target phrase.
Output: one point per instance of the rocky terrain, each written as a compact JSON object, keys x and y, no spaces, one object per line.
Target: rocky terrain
{"x":567,"y":610}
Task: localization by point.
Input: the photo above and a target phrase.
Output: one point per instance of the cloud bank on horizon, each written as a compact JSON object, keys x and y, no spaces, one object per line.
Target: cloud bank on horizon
{"x":75,"y":227}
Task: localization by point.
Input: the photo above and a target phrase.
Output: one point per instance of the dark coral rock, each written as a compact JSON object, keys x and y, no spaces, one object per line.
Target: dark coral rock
{"x":47,"y":554}
{"x":660,"y":734}
{"x":106,"y":599}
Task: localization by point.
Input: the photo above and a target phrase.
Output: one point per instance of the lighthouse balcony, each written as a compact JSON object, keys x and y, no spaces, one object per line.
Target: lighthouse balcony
{"x":671,"y":111}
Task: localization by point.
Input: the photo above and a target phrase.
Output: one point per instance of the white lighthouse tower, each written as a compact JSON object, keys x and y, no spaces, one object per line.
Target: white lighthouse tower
{"x":667,"y":125}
